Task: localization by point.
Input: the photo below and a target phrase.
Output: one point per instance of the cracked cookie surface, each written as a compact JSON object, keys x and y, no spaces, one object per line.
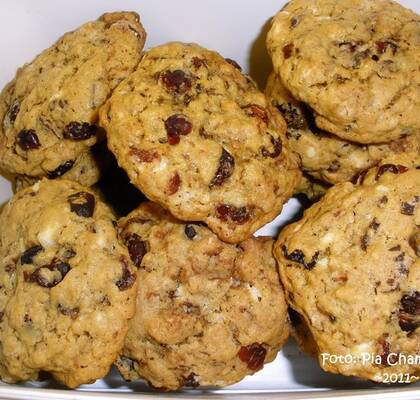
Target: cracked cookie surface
{"x":48,"y":113}
{"x":196,"y":136}
{"x":67,"y":285}
{"x":354,"y":62}
{"x":208,"y":312}
{"x":324,"y":156}
{"x":351,"y":269}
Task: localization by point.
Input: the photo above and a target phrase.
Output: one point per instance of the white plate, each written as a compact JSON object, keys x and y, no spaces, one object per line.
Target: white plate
{"x":236,"y":29}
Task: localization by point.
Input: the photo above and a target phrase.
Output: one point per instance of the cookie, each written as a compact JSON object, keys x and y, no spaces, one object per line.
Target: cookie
{"x":324,"y":156}
{"x":49,"y":112}
{"x":67,"y":285}
{"x":208,"y":312}
{"x":351,"y":269}
{"x":354,"y":62}
{"x":196,"y":136}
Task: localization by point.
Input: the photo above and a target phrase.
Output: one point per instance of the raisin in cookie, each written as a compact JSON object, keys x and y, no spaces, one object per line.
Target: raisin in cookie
{"x":324,"y":156}
{"x":48,"y":113}
{"x":196,"y":136}
{"x":67,"y":287}
{"x":351,"y":269}
{"x":208,"y":312}
{"x":354,"y":62}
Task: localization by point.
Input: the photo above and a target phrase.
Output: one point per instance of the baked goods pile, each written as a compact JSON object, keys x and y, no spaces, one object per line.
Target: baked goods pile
{"x":177,"y":290}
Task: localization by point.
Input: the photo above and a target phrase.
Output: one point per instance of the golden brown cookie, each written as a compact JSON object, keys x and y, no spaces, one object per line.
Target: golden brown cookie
{"x":49,"y":112}
{"x":354,"y":62}
{"x":208,"y":312}
{"x":196,"y":136}
{"x":351,"y":269}
{"x":67,"y":285}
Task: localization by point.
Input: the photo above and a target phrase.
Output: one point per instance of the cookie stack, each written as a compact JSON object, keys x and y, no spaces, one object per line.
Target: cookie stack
{"x":178,"y":292}
{"x":347,"y":81}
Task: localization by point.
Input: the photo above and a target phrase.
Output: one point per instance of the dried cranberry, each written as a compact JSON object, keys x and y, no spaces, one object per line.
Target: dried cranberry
{"x":27,"y":139}
{"x":382,"y":46}
{"x":176,"y":81}
{"x":190,"y":232}
{"x":408,"y":316}
{"x":79,"y":131}
{"x":253,"y":355}
{"x":190,"y":381}
{"x":175,"y":126}
{"x":127,"y":279}
{"x":146,"y":156}
{"x":61,"y":169}
{"x":254,"y":110}
{"x":40,"y":275}
{"x":288,"y":50}
{"x":277,"y":147}
{"x":234,"y":63}
{"x":29,"y":254}
{"x":407,"y":324}
{"x":173,"y":184}
{"x":69,"y":312}
{"x":414,"y":242}
{"x":224,"y":169}
{"x":137,"y":248}
{"x":411,"y":303}
{"x":394,"y":169}
{"x":299,"y":257}
{"x":13,"y":111}
{"x":240,"y":215}
{"x":82,"y":204}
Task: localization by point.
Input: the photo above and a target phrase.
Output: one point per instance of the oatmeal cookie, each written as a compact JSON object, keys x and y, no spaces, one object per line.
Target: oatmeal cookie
{"x":48,"y":113}
{"x":351,"y":269}
{"x":208,"y":312}
{"x":67,"y":285}
{"x":354,"y":62}
{"x":196,"y":136}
